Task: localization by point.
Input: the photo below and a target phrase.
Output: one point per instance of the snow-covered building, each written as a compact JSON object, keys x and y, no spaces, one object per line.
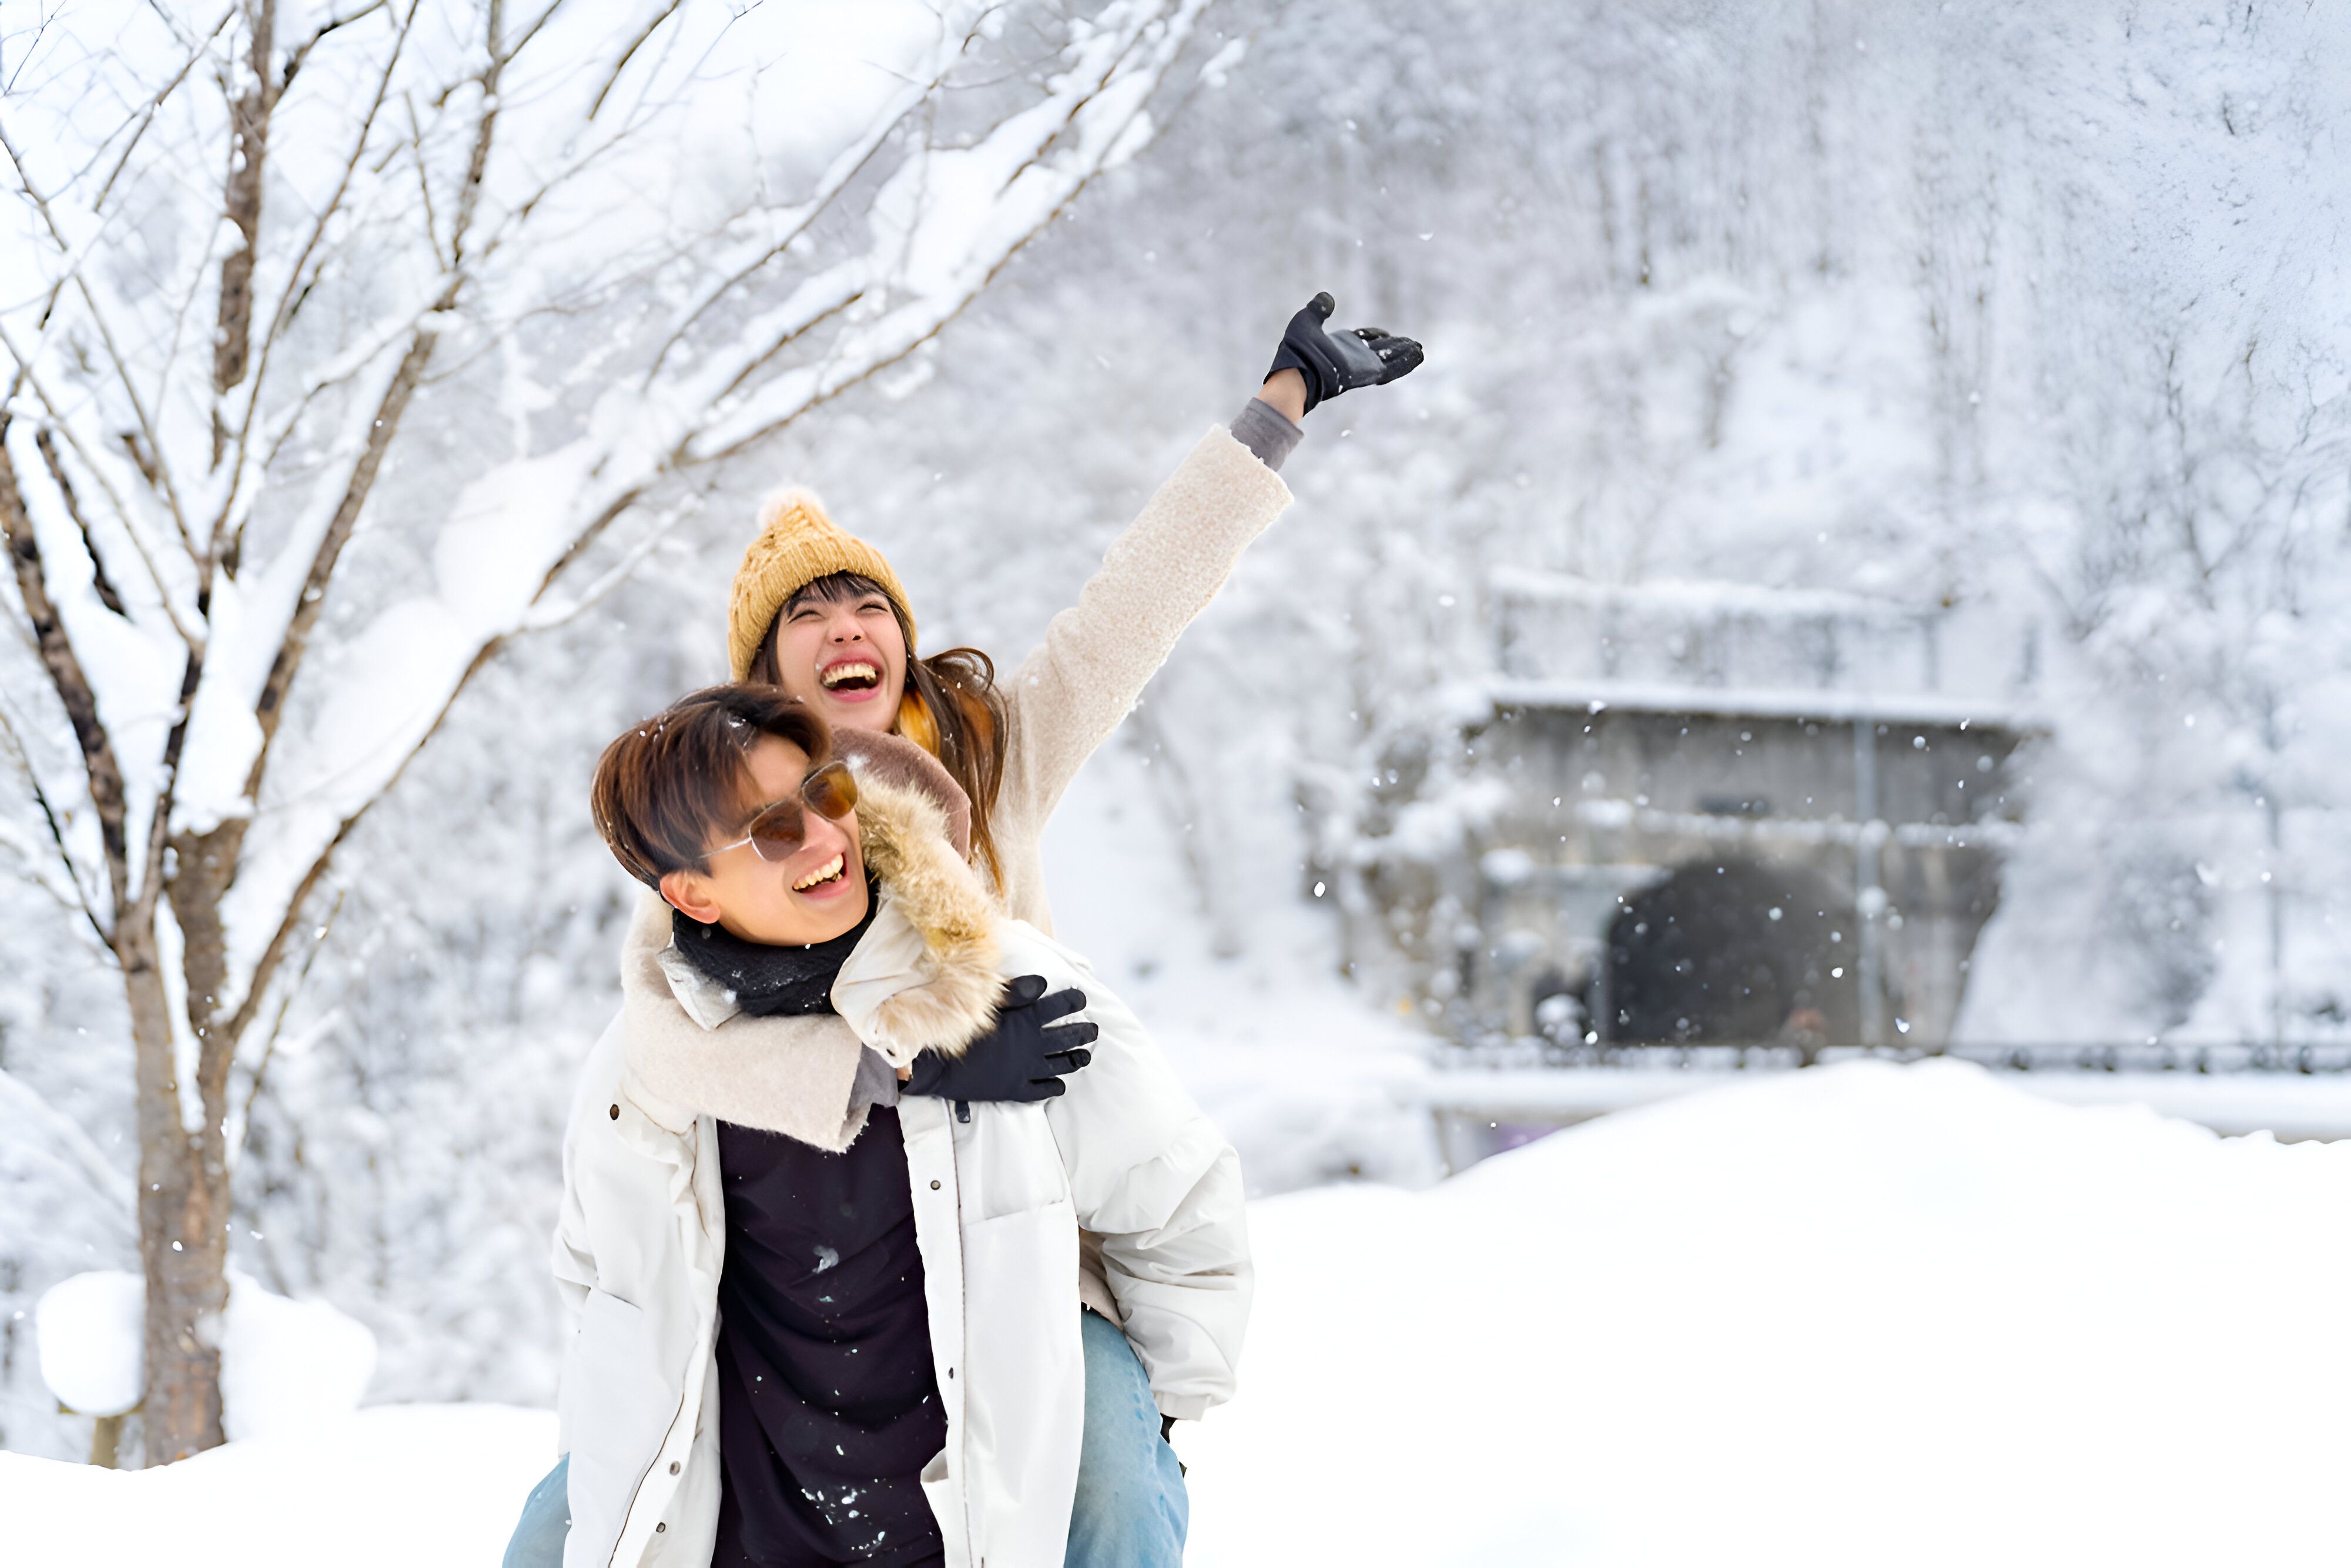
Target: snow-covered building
{"x":1705,"y":813}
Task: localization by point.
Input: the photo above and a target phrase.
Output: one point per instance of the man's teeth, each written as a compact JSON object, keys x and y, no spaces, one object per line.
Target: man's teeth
{"x":840,"y":675}
{"x":828,"y":872}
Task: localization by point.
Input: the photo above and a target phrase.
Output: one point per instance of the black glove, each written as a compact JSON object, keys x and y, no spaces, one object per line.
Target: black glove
{"x":1021,"y":1058}
{"x":1332,"y":362}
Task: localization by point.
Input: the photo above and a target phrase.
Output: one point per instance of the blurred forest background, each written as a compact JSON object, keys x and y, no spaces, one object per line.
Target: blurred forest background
{"x":2035,"y":308}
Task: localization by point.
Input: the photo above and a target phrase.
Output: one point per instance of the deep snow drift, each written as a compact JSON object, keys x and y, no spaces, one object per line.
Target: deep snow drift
{"x":1867,"y":1314}
{"x":1864,"y":1314}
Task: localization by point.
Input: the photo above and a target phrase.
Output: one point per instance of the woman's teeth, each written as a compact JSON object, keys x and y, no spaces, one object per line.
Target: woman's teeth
{"x":858,"y":675}
{"x":828,"y":872}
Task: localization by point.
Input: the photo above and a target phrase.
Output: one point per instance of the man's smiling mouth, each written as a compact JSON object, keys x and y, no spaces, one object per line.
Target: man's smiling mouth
{"x":827,"y":872}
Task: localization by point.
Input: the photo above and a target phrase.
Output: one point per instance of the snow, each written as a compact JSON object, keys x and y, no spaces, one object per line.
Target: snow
{"x":1858,"y":1314}
{"x":64,"y":1210}
{"x":1733,"y":702}
{"x":2291,"y":1105}
{"x":287,"y":1366}
{"x":1697,"y":598}
{"x":949,"y":219}
{"x":389,"y":1488}
{"x":88,"y":1328}
{"x":219,"y":544}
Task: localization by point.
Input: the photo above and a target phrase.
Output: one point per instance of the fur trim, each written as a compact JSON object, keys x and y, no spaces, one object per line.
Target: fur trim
{"x":903,"y":832}
{"x":893,"y":759}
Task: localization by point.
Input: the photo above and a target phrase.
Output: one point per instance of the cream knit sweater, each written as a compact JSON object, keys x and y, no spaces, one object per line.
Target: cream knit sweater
{"x":793,"y":1075}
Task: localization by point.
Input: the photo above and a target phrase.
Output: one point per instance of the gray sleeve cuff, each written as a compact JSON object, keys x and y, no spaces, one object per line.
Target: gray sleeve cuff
{"x":1262,"y":428}
{"x":876,"y":1082}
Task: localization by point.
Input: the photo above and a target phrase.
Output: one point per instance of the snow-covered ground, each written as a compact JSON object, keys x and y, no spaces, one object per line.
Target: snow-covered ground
{"x":1864,"y":1314}
{"x":402,"y":1485}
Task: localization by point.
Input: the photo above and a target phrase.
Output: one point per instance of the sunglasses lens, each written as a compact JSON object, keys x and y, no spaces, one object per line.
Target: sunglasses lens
{"x":776,"y":832}
{"x":830,"y":792}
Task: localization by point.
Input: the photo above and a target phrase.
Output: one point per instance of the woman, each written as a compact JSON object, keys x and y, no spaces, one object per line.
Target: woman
{"x":821,"y":614}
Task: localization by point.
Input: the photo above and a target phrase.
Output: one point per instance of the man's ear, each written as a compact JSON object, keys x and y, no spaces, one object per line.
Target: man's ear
{"x":688,"y":893}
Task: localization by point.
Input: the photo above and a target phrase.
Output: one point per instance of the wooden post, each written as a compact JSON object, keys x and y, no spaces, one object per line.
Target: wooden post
{"x":105,"y":1441}
{"x":105,"y":1435}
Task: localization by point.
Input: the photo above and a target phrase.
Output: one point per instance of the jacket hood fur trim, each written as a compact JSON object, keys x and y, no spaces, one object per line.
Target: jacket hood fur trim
{"x":904,"y":837}
{"x":680,"y":1062}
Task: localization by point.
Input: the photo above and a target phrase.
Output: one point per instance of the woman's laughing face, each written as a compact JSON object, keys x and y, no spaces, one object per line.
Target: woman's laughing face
{"x":839,"y":649}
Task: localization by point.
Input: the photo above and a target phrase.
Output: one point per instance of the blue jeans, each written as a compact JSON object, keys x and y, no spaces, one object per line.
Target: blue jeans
{"x":537,"y":1541}
{"x":1131,"y":1510}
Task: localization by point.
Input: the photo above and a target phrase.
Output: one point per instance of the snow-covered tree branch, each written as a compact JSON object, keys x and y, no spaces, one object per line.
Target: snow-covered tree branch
{"x":342,"y":339}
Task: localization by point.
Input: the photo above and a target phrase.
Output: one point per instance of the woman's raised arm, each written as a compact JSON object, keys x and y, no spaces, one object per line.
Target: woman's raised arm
{"x":1098,"y":654}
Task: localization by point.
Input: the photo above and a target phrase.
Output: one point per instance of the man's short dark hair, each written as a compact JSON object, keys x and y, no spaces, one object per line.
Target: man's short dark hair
{"x":665,"y":785}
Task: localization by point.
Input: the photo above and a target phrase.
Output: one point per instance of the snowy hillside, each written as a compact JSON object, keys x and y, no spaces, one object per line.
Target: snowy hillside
{"x":1852,"y":1317}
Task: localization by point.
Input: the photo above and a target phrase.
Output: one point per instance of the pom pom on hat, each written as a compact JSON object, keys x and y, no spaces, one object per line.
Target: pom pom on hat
{"x":798,"y":543}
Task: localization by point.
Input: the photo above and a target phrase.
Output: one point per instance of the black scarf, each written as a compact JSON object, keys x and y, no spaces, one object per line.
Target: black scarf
{"x":766,"y":980}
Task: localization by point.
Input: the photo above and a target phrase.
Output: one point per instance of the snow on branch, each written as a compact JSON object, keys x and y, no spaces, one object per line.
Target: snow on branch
{"x":263,"y":274}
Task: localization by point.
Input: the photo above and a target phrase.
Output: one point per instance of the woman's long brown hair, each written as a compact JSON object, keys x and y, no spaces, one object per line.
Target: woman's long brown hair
{"x":951,"y":707}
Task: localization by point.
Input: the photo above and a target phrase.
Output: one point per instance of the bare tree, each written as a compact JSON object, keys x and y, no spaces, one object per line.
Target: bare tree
{"x":277,"y":279}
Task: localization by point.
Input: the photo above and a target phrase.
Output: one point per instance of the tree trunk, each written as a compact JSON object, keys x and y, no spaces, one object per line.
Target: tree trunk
{"x":183,"y":1220}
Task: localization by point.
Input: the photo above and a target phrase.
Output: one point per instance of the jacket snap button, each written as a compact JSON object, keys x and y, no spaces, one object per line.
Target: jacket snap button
{"x":616,"y":1113}
{"x":659,"y":1528}
{"x":934,"y":1187}
{"x":673,"y":1467}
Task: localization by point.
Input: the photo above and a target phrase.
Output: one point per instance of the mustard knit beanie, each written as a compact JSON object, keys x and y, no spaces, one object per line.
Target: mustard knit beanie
{"x":798,"y":543}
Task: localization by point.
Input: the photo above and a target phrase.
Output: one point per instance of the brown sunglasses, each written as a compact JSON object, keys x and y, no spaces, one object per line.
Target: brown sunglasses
{"x":778,"y":830}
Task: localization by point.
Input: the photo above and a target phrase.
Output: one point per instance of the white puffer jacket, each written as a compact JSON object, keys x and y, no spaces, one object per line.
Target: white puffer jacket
{"x":998,"y":1203}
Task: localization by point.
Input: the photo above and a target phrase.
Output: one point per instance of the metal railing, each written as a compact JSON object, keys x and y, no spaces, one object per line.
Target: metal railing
{"x":1497,"y":1053}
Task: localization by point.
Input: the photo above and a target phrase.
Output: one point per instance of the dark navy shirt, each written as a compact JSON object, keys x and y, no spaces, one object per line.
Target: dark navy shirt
{"x":827,"y":1401}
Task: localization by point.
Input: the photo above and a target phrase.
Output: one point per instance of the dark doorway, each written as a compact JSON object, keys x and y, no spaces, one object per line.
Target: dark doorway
{"x":1730,"y":952}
